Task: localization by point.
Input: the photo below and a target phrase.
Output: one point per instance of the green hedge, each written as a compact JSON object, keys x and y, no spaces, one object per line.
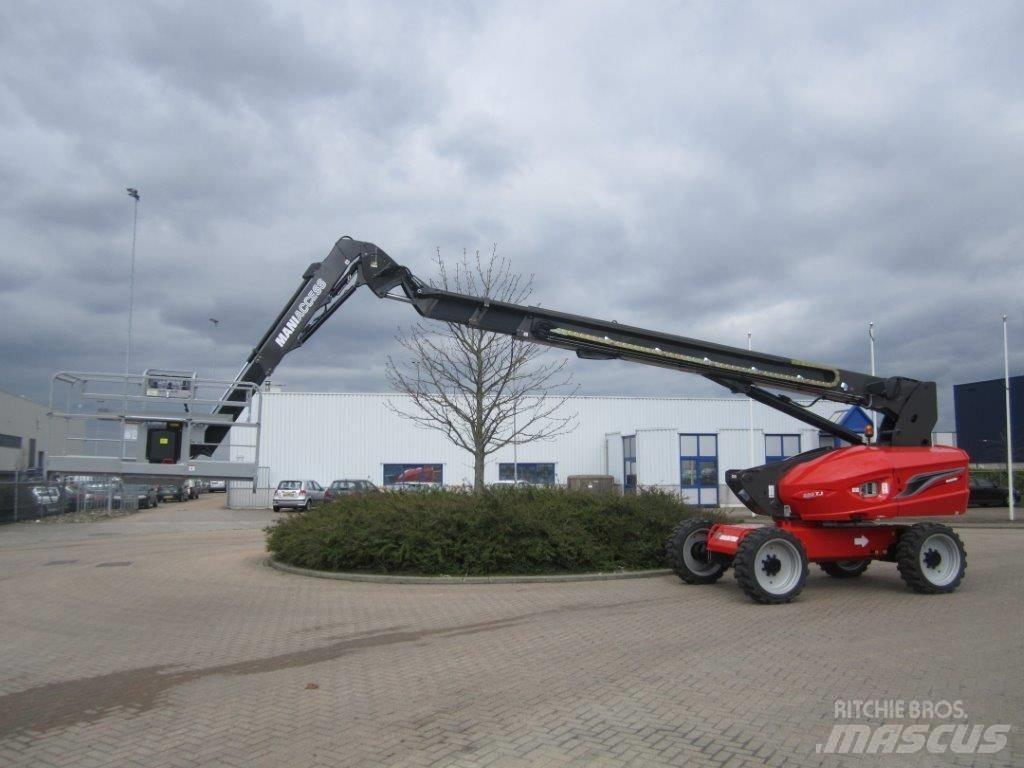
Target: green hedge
{"x":504,"y":531}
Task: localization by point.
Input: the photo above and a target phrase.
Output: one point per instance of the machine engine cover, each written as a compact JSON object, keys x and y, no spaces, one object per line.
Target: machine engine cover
{"x":868,"y":482}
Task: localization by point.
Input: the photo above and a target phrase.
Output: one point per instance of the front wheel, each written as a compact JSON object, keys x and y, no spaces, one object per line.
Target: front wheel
{"x":845,"y":569}
{"x":931,"y":558}
{"x":687,"y":550}
{"x":771,"y":565}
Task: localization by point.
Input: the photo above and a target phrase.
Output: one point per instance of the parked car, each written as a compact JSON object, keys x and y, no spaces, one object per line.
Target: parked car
{"x":173,"y":490}
{"x":218,"y":486}
{"x":340,"y":488}
{"x":96,"y":495}
{"x":146,"y":495}
{"x":46,"y":500}
{"x":986,"y":492}
{"x":414,"y":487}
{"x":511,"y":484}
{"x":297,"y":494}
{"x":193,"y":488}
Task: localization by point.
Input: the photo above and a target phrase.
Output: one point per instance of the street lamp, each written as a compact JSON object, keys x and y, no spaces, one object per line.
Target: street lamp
{"x":134,"y":194}
{"x":216,"y":325}
{"x":1009,"y":422}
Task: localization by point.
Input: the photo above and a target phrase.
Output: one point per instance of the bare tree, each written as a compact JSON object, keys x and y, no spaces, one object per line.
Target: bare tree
{"x":483,"y":390}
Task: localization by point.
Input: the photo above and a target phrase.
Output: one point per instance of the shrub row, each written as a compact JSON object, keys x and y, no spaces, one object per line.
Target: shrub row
{"x":501,"y":531}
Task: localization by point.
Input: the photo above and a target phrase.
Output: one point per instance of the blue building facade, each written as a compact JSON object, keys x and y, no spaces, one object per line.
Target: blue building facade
{"x":981,"y":419}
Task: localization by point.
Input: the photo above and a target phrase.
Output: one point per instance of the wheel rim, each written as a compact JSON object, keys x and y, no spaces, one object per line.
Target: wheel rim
{"x":778,"y":566}
{"x":939,"y":559}
{"x":695,"y":553}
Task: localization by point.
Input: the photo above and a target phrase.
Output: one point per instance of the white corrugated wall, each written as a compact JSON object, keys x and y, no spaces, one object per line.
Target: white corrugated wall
{"x":325,"y":436}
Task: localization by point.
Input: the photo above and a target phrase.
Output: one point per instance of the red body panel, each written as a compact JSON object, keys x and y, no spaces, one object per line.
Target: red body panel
{"x":868,"y":482}
{"x":822,"y":543}
{"x":825,"y":499}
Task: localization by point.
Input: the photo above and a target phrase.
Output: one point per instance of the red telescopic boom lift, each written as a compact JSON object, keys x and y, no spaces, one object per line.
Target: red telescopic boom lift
{"x":826,"y":505}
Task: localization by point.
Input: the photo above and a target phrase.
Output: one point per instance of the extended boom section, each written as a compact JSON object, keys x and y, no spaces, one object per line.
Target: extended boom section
{"x":826,"y":503}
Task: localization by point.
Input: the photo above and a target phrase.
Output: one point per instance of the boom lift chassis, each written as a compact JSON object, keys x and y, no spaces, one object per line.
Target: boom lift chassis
{"x":826,"y":504}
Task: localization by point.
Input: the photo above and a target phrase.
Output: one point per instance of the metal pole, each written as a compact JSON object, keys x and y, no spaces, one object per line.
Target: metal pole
{"x":1009,"y":423}
{"x":874,"y":415}
{"x":216,"y":325}
{"x":134,"y":194}
{"x":750,"y":417}
{"x":515,"y":405}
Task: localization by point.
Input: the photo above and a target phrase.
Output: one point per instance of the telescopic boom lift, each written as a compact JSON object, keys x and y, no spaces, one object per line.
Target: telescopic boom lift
{"x":824,"y":502}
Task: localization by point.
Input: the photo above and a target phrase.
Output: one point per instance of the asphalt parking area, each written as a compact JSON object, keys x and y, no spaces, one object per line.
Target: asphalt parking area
{"x":162,"y":639}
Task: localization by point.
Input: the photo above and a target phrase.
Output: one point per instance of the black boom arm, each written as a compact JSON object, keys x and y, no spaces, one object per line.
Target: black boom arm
{"x":908,"y":407}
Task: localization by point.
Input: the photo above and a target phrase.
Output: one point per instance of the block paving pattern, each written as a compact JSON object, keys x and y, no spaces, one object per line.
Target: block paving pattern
{"x":192,"y":652}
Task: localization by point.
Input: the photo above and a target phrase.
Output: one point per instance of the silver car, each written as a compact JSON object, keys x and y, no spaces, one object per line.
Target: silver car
{"x":297,"y":494}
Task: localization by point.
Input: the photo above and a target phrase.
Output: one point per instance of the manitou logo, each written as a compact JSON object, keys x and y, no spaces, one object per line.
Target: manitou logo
{"x":300,"y":312}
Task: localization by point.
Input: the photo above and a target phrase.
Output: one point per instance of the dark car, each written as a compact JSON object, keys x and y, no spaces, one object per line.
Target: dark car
{"x":340,"y":488}
{"x":986,"y":492}
{"x":146,"y":495}
{"x":173,"y":491}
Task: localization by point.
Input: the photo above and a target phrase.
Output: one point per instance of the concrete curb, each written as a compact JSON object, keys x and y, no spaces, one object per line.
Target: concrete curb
{"x":454,"y":580}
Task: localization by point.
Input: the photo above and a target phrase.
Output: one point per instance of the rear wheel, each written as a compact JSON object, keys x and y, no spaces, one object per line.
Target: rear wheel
{"x":277,"y":508}
{"x":771,"y":565}
{"x":688,"y":556}
{"x":305,"y":507}
{"x":931,"y":558}
{"x":845,"y":569}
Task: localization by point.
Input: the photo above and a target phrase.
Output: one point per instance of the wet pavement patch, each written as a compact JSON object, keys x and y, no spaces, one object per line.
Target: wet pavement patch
{"x":114,"y":565}
{"x":60,"y":562}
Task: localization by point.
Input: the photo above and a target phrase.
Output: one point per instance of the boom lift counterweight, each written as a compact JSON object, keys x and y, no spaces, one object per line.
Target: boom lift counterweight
{"x":824,"y":502}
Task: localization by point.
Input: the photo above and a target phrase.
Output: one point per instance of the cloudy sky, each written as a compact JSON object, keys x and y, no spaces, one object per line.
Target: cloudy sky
{"x":704,"y":168}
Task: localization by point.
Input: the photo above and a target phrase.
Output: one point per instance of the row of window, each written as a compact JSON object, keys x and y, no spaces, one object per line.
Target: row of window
{"x":698,"y":463}
{"x":536,"y":473}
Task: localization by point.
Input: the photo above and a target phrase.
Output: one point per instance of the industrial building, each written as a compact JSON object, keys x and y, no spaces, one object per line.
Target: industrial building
{"x":679,"y":444}
{"x":24,"y":430}
{"x":980,"y":408}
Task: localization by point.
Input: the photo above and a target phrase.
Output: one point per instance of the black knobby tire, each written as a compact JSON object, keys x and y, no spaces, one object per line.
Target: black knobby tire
{"x":687,"y":553}
{"x":845,"y":569}
{"x":771,"y":565}
{"x":931,"y":558}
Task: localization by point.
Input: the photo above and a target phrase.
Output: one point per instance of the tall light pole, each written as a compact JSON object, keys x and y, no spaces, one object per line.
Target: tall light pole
{"x":134,"y":194}
{"x":874,"y":415}
{"x":216,"y":325}
{"x":750,"y":416}
{"x":1009,"y":428}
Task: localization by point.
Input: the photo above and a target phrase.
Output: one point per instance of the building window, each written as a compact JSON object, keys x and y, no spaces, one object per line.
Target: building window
{"x":533,"y":473}
{"x":414,"y":474}
{"x":10,"y":441}
{"x":780,"y":447}
{"x":629,"y":464}
{"x":698,"y":469}
{"x":31,"y":453}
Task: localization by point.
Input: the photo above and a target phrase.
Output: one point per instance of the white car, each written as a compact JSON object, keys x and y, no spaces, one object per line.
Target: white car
{"x":218,"y":486}
{"x":297,"y":494}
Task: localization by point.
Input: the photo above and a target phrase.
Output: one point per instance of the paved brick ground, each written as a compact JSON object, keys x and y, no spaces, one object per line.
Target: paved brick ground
{"x":162,"y":640}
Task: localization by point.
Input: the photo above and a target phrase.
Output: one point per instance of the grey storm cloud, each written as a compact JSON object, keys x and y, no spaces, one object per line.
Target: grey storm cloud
{"x":791,"y":170}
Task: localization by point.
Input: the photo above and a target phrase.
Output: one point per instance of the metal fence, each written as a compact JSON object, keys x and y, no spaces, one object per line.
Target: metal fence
{"x":33,"y":498}
{"x":241,"y":495}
